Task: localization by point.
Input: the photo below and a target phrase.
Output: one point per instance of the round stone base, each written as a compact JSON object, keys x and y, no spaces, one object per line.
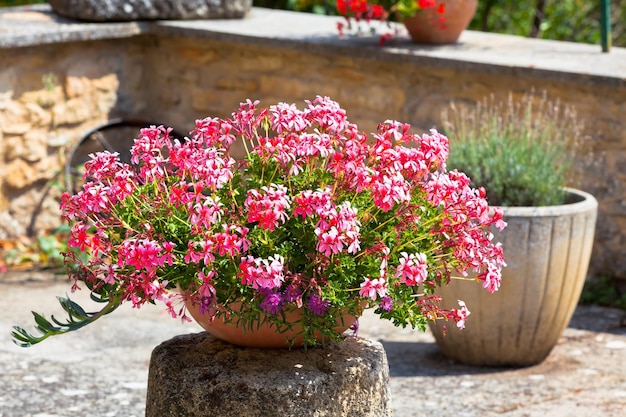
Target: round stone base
{"x":199,"y":375}
{"x":126,"y":10}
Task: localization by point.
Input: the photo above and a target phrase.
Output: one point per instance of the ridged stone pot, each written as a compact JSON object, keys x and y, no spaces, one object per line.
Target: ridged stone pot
{"x":547,"y":251}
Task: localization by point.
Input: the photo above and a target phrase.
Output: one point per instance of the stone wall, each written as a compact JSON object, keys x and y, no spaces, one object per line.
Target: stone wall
{"x":50,"y":95}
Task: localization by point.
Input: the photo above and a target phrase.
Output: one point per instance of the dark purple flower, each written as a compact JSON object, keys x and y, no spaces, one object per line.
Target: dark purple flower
{"x":317,"y":305}
{"x":206,"y":304}
{"x":386,"y":303}
{"x":293,"y":292}
{"x":355,"y":328}
{"x":272,"y":303}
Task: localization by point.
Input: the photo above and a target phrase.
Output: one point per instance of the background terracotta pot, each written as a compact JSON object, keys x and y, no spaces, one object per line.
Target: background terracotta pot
{"x":426,"y":26}
{"x":547,"y":250}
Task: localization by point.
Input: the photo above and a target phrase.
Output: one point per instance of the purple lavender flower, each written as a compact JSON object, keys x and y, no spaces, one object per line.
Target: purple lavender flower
{"x":317,"y":305}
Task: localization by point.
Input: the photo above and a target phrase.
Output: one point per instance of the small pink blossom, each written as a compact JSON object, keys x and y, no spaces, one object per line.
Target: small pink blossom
{"x":109,"y":274}
{"x":144,"y":254}
{"x":287,"y":117}
{"x":310,"y":202}
{"x":213,"y":131}
{"x":262,"y":273}
{"x":176,"y":307}
{"x":147,"y":151}
{"x":459,"y":315}
{"x":373,"y":288}
{"x":206,"y":214}
{"x":206,"y":289}
{"x":412,"y":269}
{"x":329,"y":242}
{"x":232,"y":241}
{"x":80,"y":237}
{"x":268,"y":206}
{"x":102,"y":166}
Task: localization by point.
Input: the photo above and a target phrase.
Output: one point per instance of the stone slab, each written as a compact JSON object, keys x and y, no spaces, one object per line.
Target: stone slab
{"x":199,"y":375}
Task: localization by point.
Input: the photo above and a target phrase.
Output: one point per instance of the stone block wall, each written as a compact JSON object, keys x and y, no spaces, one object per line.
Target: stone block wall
{"x":50,"y":95}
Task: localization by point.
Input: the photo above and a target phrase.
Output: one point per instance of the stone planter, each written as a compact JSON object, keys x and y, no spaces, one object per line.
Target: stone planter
{"x":547,"y":250}
{"x":427,"y":26}
{"x":125,"y":10}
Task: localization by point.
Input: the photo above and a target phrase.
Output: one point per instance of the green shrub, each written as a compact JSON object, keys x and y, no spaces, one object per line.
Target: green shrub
{"x":327,"y":7}
{"x":521,"y":151}
{"x":564,"y":20}
{"x":603,"y":291}
{"x":11,"y":3}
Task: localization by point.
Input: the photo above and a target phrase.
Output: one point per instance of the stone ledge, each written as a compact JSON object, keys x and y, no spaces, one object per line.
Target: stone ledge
{"x":476,"y":51}
{"x":199,"y":375}
{"x":38,"y":25}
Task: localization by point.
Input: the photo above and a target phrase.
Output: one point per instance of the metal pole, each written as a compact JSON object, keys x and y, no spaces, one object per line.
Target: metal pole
{"x":605,"y":24}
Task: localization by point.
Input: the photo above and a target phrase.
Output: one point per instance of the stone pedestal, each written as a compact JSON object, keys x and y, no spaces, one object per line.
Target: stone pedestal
{"x":199,"y":375}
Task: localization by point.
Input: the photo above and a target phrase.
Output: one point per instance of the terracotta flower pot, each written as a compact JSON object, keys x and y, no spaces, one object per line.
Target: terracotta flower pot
{"x":429,"y":26}
{"x":547,"y":250}
{"x":266,"y":336}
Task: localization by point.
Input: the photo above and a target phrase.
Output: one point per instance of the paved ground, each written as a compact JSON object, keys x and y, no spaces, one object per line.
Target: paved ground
{"x":102,"y":369}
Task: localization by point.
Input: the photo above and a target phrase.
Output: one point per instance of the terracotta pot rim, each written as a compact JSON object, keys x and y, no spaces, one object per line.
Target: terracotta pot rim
{"x":266,"y":335}
{"x":585,"y":202}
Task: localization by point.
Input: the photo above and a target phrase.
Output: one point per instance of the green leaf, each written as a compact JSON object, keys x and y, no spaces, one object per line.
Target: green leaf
{"x":77,"y":318}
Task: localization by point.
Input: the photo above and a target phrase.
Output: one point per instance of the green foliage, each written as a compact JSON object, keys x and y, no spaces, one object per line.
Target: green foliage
{"x":521,"y":152}
{"x":11,"y":3}
{"x":565,"y":20}
{"x":77,"y":318}
{"x":43,"y":252}
{"x":326,"y":7}
{"x":603,"y":291}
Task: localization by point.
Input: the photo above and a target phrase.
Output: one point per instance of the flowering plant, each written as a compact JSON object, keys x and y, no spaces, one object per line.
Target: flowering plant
{"x":381,"y":11}
{"x":315,"y":217}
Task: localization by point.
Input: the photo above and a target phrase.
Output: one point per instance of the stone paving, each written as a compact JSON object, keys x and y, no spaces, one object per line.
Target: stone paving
{"x":102,"y":370}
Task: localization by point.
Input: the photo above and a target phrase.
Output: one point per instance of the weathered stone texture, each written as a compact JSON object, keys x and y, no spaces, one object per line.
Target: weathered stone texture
{"x":125,"y":10}
{"x":49,"y":97}
{"x":199,"y":375}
